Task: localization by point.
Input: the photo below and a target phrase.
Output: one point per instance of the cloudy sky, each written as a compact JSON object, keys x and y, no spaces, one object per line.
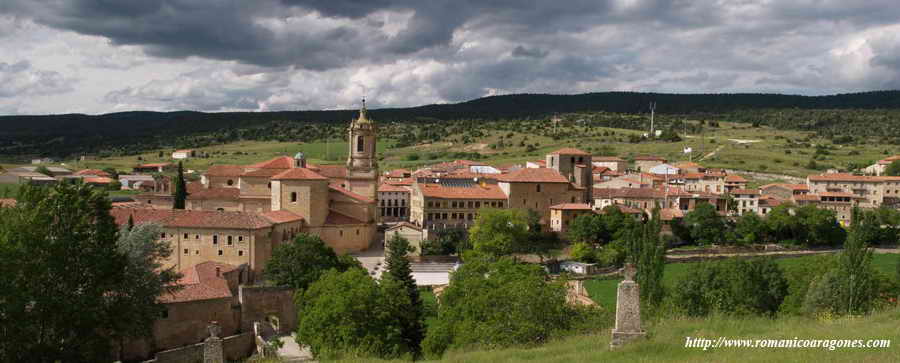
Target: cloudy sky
{"x":65,"y":56}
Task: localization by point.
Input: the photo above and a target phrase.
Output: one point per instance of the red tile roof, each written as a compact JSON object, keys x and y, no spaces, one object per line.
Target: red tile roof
{"x":96,"y":172}
{"x":840,"y":194}
{"x":225,"y":170}
{"x":299,"y":174}
{"x":200,"y":282}
{"x":572,"y":206}
{"x":687,"y":164}
{"x":282,"y":216}
{"x":806,"y":197}
{"x":767,"y":201}
{"x":335,"y":218}
{"x":332,"y":171}
{"x":735,"y":179}
{"x":787,"y":186}
{"x":385,"y":187}
{"x":404,"y":224}
{"x":844,"y":177}
{"x":192,"y":218}
{"x":350,"y":194}
{"x":281,"y":162}
{"x":600,"y":169}
{"x":668,"y":214}
{"x":398,"y":173}
{"x":98,"y":180}
{"x":215,"y":194}
{"x":637,"y":193}
{"x":569,"y":151}
{"x":263,"y":173}
{"x":486,"y":191}
{"x":533,"y":175}
{"x":404,"y":181}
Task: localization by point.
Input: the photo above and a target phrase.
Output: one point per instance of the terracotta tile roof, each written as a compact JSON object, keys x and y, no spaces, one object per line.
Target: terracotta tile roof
{"x":715,"y":174}
{"x":487,"y":191}
{"x":533,"y":175}
{"x":136,"y":205}
{"x":281,"y":162}
{"x":745,"y":191}
{"x":767,"y":201}
{"x":404,"y":181}
{"x":385,"y":187}
{"x":569,"y":151}
{"x":693,"y":175}
{"x":572,"y":206}
{"x":98,"y":180}
{"x":215,"y":194}
{"x":263,"y":173}
{"x":96,"y":172}
{"x":600,"y":169}
{"x":843,"y":177}
{"x":607,"y":159}
{"x":7,"y":202}
{"x":192,"y":218}
{"x":350,"y":194}
{"x":200,"y":282}
{"x":668,"y":214}
{"x":332,"y":171}
{"x":225,"y":170}
{"x":299,"y":174}
{"x":649,"y":158}
{"x":735,"y":179}
{"x":335,"y":218}
{"x":282,"y":216}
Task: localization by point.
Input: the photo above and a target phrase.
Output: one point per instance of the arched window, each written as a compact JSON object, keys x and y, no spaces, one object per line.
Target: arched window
{"x":293,"y":197}
{"x":360,"y":144}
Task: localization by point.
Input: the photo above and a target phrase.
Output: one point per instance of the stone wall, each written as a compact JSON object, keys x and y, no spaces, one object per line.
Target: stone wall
{"x":235,"y":348}
{"x":187,"y":354}
{"x":259,"y":302}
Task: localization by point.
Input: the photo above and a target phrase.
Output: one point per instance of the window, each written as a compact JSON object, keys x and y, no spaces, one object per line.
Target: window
{"x":215,"y":239}
{"x":341,"y":233}
{"x":240,"y":253}
{"x":293,"y":197}
{"x":240,"y":238}
{"x":221,"y":252}
{"x":186,"y":251}
{"x":230,"y":241}
{"x":197,"y":252}
{"x":197,"y":237}
{"x":230,"y":182}
{"x":360,"y":145}
{"x":270,"y":185}
{"x":163,"y":235}
{"x":164,"y":313}
{"x":538,"y":188}
{"x":357,"y":232}
{"x":185,"y":236}
{"x":220,"y":209}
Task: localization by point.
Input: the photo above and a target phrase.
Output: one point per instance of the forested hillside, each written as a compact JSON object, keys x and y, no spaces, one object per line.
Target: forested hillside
{"x":859,"y":114}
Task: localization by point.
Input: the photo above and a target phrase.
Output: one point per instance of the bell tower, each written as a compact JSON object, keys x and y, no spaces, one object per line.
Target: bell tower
{"x":362,"y":166}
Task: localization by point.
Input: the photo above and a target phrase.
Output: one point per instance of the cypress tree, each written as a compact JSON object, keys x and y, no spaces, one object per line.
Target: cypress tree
{"x":648,"y":254}
{"x":180,"y":192}
{"x":399,"y":268}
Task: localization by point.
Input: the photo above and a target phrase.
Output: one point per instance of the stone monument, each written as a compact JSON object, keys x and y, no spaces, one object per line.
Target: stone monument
{"x":212,"y":346}
{"x":628,"y":310}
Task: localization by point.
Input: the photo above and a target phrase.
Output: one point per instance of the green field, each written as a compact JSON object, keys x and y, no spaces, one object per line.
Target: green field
{"x":603,"y":291}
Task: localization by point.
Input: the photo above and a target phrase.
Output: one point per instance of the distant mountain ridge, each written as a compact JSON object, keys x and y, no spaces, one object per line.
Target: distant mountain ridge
{"x":124,"y":127}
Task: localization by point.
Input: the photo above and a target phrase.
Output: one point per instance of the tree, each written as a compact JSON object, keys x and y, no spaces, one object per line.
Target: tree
{"x":302,"y":261}
{"x":820,"y":227}
{"x":43,"y":170}
{"x":705,"y":224}
{"x":784,"y":225}
{"x":587,"y":228}
{"x":648,"y":254}
{"x":448,"y":241}
{"x":750,"y":229}
{"x":113,"y":173}
{"x":347,"y":314}
{"x":66,"y":283}
{"x":893,"y":169}
{"x":180,"y":193}
{"x":498,"y":303}
{"x":583,"y":252}
{"x":499,"y":232}
{"x":398,"y":267}
{"x":137,"y":303}
{"x":731,"y":286}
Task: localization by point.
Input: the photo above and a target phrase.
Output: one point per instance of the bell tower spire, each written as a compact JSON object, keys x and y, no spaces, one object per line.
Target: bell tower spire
{"x":362,"y":164}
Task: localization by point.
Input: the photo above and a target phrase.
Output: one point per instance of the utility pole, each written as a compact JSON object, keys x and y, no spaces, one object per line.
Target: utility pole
{"x":652,"y":111}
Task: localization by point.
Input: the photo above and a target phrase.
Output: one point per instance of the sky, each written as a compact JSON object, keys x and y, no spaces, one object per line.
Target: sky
{"x":102,"y":56}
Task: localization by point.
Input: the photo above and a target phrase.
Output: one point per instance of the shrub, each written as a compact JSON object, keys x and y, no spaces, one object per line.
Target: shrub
{"x":733,"y":286}
{"x":412,"y":157}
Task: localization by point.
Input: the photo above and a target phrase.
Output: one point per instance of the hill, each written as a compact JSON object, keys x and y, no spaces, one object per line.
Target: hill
{"x":131,"y":132}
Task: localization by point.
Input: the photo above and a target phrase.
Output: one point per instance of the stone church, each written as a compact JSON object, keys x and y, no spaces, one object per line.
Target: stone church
{"x":237,"y":214}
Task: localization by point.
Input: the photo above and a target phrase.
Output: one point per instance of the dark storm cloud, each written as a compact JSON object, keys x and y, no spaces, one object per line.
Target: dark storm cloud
{"x":521,"y":51}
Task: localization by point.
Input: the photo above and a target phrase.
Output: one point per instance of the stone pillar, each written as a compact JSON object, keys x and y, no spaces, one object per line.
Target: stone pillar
{"x":628,"y":310}
{"x":212,"y":346}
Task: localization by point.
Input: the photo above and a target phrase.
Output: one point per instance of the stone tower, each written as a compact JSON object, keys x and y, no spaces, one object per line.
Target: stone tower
{"x":362,"y":166}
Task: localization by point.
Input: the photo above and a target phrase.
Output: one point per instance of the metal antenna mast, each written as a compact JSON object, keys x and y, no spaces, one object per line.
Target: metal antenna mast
{"x":652,"y":111}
